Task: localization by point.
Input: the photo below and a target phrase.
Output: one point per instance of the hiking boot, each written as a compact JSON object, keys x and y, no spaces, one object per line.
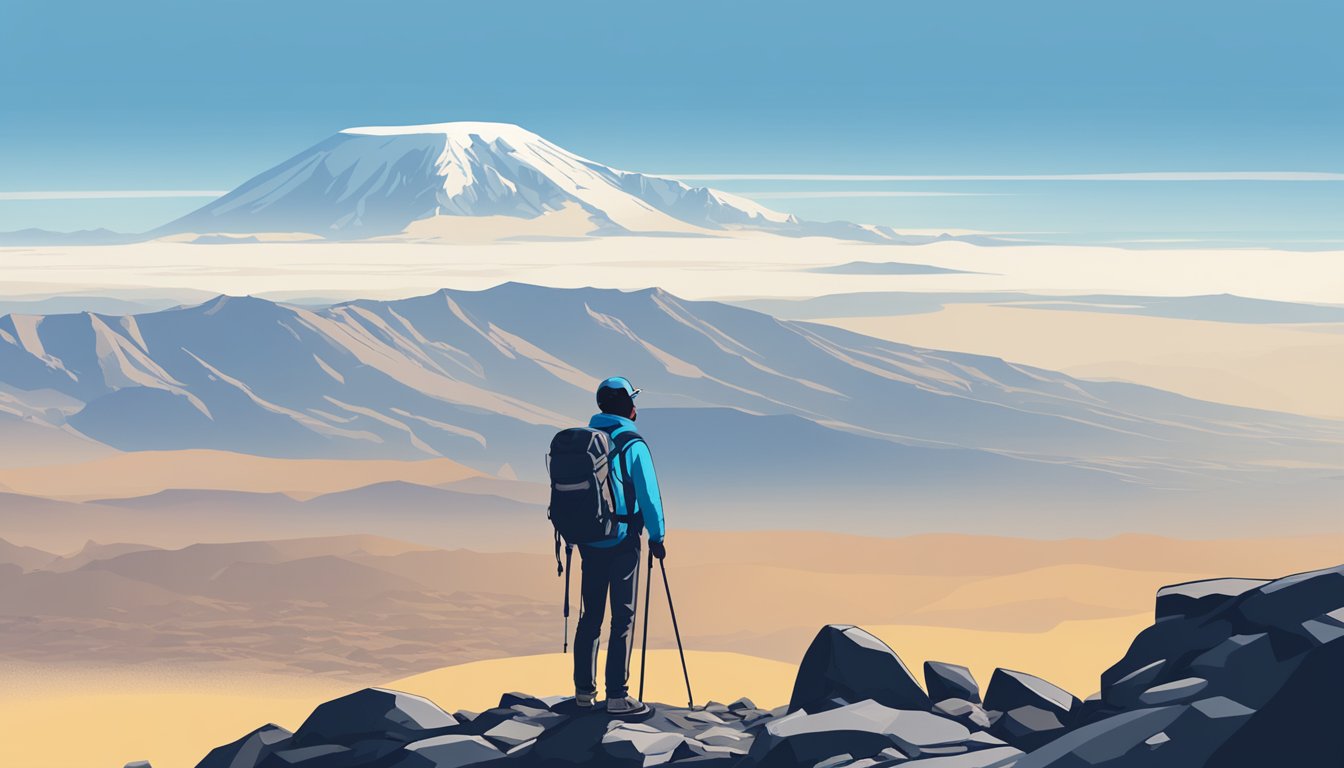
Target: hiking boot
{"x":585,"y":700}
{"x":626,"y":705}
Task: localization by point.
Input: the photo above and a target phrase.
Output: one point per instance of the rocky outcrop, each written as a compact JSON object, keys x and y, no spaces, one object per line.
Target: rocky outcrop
{"x":1233,"y":673}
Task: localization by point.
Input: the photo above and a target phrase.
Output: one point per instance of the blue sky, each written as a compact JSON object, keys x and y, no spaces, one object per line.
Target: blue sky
{"x":179,"y":95}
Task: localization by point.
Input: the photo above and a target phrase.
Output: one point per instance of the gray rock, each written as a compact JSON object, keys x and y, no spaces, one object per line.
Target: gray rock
{"x":692,"y":752}
{"x":1170,"y":693}
{"x":1009,"y":690}
{"x":1324,"y":628}
{"x":950,"y":681}
{"x":448,"y":751}
{"x":1125,"y":692}
{"x":981,"y":739}
{"x":1028,"y":727}
{"x":723,"y":736}
{"x":640,"y":745}
{"x":1294,"y":599}
{"x":372,"y":713}
{"x":511,"y":733}
{"x":1299,"y":725}
{"x":834,"y":762}
{"x":741,"y":704}
{"x":846,"y":662}
{"x":1194,"y":598}
{"x":967,"y":713}
{"x":517,"y":713}
{"x":994,"y":757}
{"x":753,"y":716}
{"x":522,"y":699}
{"x":248,"y":751}
{"x":861,"y":729}
{"x":323,"y":755}
{"x":138,"y":764}
{"x":1253,"y":648}
{"x":1220,"y":707}
{"x":1105,"y":741}
{"x":950,"y":749}
{"x":1198,"y":731}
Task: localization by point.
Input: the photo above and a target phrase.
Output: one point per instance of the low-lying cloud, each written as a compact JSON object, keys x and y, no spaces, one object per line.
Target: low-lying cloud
{"x":110,"y":194}
{"x":1143,"y":176}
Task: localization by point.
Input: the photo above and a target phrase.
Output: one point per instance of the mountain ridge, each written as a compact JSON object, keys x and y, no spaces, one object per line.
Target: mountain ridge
{"x":484,"y":377}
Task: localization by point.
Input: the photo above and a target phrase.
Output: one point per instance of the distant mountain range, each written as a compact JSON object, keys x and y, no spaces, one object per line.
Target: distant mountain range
{"x":740,"y":406}
{"x":443,"y":180}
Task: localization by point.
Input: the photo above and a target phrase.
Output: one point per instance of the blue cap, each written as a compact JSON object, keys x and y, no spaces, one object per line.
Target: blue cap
{"x":618,"y":382}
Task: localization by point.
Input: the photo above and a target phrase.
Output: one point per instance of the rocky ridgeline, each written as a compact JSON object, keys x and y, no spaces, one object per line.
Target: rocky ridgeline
{"x":1234,"y":672}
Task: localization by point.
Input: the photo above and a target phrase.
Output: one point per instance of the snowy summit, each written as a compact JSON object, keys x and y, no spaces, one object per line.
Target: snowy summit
{"x":382,"y":180}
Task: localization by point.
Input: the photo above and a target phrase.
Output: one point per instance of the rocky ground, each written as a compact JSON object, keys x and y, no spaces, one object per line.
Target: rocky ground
{"x":1234,"y":672}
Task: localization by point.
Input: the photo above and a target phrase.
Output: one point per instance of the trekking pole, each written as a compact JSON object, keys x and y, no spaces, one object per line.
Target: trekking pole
{"x":690,"y":700}
{"x":644,"y":644}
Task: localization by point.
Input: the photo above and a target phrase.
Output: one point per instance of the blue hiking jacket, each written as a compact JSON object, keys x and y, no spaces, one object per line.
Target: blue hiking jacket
{"x":648,"y":501}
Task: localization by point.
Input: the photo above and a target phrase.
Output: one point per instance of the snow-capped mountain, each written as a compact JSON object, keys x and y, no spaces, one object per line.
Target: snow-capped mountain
{"x":373,"y":181}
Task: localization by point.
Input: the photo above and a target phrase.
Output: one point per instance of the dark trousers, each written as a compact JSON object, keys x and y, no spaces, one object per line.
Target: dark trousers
{"x":614,"y":571}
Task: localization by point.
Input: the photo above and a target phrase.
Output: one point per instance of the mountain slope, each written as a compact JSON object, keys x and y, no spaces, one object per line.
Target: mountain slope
{"x":486,"y":377}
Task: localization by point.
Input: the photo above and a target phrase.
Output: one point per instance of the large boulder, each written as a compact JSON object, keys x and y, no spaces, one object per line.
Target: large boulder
{"x":248,"y":751}
{"x":1009,"y":690}
{"x":370,"y":714}
{"x":859,"y":730}
{"x":950,"y":681}
{"x":846,"y":663}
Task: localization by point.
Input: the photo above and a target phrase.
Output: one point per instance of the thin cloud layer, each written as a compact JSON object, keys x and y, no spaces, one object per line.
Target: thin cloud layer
{"x":110,"y":194}
{"x":1146,"y":176}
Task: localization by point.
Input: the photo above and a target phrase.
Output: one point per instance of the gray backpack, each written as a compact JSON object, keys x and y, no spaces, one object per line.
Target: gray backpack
{"x":583,"y":502}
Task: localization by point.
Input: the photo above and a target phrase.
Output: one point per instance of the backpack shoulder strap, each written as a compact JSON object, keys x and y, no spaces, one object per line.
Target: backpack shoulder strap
{"x":620,"y":445}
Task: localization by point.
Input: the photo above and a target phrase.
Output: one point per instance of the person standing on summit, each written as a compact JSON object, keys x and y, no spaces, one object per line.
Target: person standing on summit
{"x":622,"y":475}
